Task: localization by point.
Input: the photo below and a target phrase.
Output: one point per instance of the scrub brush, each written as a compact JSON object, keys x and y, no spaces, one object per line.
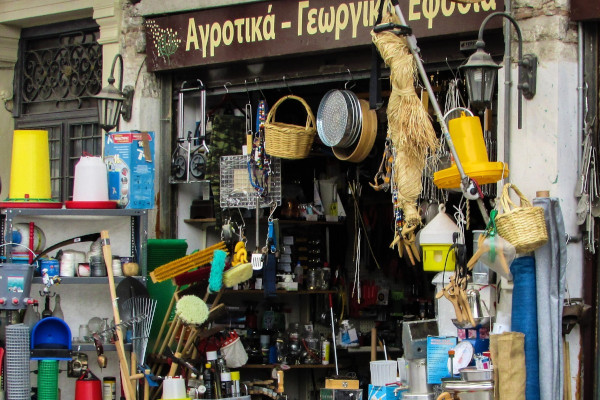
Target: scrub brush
{"x":215,"y":279}
{"x":236,"y":275}
{"x":192,"y":310}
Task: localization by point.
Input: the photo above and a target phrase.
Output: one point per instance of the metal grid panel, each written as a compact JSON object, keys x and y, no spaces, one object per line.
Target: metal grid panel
{"x":236,"y":190}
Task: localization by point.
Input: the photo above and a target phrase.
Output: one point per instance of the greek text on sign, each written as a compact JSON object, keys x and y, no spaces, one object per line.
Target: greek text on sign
{"x":269,"y":29}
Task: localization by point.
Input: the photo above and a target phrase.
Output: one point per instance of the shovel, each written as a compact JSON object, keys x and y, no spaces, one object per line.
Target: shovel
{"x":257,"y":256}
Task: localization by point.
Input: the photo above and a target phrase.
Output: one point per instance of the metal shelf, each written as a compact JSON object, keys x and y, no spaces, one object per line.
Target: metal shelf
{"x":138,"y":228}
{"x":90,"y":347}
{"x":99,"y":280}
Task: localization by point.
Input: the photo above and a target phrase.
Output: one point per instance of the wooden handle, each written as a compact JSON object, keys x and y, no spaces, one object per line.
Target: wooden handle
{"x":106,"y":251}
{"x":164,"y":323}
{"x":445,"y":396}
{"x":373,"y":344}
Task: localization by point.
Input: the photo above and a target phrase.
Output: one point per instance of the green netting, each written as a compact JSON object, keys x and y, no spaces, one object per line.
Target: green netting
{"x":160,"y":252}
{"x":47,"y":380}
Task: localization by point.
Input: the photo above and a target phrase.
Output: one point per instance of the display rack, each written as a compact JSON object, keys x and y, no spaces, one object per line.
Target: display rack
{"x":138,"y":228}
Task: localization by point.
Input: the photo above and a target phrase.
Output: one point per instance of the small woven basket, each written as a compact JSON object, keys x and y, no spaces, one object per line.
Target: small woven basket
{"x":525,"y":226}
{"x":286,"y":140}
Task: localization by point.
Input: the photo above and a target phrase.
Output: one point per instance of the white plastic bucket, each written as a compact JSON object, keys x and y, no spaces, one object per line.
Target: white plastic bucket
{"x":174,"y":388}
{"x":91,"y":181}
{"x":383,"y":372}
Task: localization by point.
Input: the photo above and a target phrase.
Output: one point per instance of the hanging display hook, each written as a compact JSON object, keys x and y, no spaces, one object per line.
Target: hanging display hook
{"x":351,"y":80}
{"x":287,"y":86}
{"x":258,"y":88}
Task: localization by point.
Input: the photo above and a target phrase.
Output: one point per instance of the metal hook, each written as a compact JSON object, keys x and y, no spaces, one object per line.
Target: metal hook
{"x":247,"y":91}
{"x":225,"y":86}
{"x":259,"y":89}
{"x":273,"y":208}
{"x":350,"y":80}
{"x":286,"y":85}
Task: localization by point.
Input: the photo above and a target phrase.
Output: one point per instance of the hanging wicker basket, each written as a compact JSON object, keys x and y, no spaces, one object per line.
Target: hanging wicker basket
{"x":525,"y":226}
{"x":286,"y":140}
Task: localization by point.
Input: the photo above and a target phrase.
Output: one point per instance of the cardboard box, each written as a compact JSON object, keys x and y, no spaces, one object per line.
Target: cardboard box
{"x":341,"y":394}
{"x":129,"y":157}
{"x":341,"y":383}
{"x":392,"y":392}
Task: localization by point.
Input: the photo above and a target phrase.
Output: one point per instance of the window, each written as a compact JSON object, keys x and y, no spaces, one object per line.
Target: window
{"x":59,"y":70}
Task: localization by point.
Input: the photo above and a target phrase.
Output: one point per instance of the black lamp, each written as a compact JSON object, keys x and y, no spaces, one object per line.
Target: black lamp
{"x":113,"y":102}
{"x":481,"y":71}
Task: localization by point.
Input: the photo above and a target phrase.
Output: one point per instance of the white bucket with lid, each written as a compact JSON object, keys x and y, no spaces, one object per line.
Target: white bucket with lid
{"x":91,"y":181}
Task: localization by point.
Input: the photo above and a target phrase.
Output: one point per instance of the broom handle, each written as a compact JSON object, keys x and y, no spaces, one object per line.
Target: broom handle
{"x":467,"y":186}
{"x":106,"y":251}
{"x":164,"y":323}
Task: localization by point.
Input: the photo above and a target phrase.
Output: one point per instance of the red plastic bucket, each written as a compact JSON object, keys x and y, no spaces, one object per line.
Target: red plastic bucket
{"x":88,"y":387}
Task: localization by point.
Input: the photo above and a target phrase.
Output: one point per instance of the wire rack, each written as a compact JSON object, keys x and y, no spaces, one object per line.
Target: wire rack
{"x":236,"y":189}
{"x":17,"y":362}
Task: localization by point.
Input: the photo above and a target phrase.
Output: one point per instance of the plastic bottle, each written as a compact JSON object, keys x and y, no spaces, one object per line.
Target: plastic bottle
{"x":325,"y":347}
{"x":235,"y":384}
{"x":209,"y":381}
{"x":226,"y":385}
{"x":192,"y":385}
{"x":299,"y":271}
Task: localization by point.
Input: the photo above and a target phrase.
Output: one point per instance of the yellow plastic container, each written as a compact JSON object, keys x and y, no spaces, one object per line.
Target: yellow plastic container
{"x":467,"y":136}
{"x":30,"y":166}
{"x":434,"y":257}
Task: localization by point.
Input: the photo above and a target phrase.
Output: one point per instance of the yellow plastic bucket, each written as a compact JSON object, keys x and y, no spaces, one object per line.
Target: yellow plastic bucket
{"x":434,"y":257}
{"x":30,"y":166}
{"x":467,"y":137}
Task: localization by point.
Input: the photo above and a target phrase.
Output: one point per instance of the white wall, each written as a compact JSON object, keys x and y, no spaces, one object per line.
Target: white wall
{"x":543,"y":154}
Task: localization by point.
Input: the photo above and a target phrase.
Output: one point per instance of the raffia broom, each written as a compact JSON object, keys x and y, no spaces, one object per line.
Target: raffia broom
{"x":409,"y":125}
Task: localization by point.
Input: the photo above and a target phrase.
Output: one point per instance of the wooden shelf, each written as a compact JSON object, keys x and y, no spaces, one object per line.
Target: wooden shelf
{"x":201,"y":221}
{"x":300,"y":366}
{"x":262,"y":292}
{"x":99,"y":280}
{"x":212,"y":221}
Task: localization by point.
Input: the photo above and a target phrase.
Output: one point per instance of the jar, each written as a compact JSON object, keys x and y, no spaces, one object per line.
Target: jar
{"x":116,"y":266}
{"x":312,"y":279}
{"x":97,"y":266}
{"x":325,"y":278}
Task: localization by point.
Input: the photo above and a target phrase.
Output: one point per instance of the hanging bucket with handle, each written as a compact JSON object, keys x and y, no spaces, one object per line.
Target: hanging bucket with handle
{"x":88,"y":387}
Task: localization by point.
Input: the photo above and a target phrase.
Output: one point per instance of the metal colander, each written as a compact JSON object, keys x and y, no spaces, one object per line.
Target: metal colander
{"x":339,"y":118}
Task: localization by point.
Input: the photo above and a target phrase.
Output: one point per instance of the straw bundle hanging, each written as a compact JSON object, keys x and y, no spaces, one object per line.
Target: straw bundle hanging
{"x":409,"y":125}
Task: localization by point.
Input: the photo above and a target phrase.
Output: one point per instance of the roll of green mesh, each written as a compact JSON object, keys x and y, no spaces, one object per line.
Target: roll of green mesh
{"x":48,"y":380}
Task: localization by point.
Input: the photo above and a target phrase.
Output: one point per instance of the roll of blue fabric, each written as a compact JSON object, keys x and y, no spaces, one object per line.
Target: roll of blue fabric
{"x":524,"y":320}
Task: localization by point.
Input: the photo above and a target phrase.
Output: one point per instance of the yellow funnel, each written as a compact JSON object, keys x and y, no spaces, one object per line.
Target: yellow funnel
{"x":30,"y":167}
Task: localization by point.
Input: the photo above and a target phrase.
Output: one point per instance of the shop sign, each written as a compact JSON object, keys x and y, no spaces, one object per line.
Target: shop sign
{"x":278,"y":28}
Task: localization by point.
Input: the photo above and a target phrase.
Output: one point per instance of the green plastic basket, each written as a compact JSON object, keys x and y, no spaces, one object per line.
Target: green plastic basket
{"x":47,"y":380}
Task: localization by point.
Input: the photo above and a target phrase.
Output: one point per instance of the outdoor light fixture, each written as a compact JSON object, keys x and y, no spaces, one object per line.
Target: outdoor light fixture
{"x":481,"y":71}
{"x":113,"y":102}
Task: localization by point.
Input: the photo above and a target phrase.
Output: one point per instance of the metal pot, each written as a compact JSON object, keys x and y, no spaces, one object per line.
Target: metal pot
{"x":470,"y":390}
{"x":471,"y":374}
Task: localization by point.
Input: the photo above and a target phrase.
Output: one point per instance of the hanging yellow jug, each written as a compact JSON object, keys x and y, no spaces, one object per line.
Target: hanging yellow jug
{"x":467,"y":136}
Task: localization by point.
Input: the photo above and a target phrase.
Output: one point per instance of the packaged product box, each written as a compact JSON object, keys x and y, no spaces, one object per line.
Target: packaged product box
{"x":341,"y":394}
{"x":129,"y":158}
{"x":392,"y":392}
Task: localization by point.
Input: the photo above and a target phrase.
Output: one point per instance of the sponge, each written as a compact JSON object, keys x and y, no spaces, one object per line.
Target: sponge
{"x":238,"y":274}
{"x":192,"y":310}
{"x":215,"y":279}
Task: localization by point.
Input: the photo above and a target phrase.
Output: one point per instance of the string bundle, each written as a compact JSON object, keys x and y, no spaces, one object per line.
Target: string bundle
{"x":409,"y":125}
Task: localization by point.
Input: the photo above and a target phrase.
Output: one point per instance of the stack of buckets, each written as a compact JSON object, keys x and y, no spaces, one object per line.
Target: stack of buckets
{"x":30,"y":167}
